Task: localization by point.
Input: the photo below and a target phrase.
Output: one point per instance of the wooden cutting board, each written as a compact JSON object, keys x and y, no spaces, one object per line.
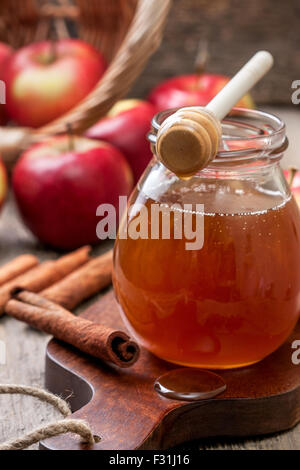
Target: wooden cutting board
{"x":123,"y":408}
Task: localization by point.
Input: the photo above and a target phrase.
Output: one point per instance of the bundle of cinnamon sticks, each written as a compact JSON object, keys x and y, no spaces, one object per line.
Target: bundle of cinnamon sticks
{"x":62,"y":285}
{"x":67,"y":281}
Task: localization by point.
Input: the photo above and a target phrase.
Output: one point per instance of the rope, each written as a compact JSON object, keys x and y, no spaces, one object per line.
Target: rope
{"x":65,"y":426}
{"x":58,"y":403}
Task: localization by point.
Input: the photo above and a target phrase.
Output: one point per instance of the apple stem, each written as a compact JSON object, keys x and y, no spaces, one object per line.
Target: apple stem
{"x":201,"y":58}
{"x":292,"y":174}
{"x":71,"y":139}
{"x":53,"y":46}
{"x":53,"y":51}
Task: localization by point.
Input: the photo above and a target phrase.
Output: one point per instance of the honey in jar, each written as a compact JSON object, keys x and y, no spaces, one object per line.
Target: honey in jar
{"x":235,"y":298}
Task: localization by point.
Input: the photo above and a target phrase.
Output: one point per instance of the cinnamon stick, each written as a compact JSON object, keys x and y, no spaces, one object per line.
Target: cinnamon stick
{"x":94,"y":339}
{"x":82,"y":283}
{"x":45,"y":274}
{"x":16,"y":267}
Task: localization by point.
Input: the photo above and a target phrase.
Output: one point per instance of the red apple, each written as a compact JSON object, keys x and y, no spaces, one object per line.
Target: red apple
{"x":60,"y":183}
{"x":5,"y":53}
{"x":45,"y":80}
{"x":191,"y":90}
{"x":126,"y":126}
{"x":293,"y":178}
{"x":3,"y":183}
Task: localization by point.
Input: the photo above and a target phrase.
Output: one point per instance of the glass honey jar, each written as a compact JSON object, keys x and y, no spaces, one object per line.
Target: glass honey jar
{"x":233,"y":297}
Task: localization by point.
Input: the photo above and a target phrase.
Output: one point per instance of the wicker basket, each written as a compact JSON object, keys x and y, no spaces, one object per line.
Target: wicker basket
{"x":127,"y":32}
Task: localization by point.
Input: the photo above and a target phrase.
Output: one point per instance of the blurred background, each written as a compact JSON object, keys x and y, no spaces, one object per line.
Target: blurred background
{"x":234,"y":31}
{"x":223,"y":33}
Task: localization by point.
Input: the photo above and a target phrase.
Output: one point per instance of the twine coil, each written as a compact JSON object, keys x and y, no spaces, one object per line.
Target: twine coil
{"x":75,"y":426}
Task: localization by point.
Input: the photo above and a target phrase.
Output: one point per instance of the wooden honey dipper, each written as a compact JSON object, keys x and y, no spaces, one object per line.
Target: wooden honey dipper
{"x":189,"y":139}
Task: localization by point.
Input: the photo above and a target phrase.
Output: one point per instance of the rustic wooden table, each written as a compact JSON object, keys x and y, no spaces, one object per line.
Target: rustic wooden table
{"x":26,"y":347}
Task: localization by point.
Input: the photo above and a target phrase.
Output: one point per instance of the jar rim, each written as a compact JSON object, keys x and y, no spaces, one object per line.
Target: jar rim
{"x":248,"y":134}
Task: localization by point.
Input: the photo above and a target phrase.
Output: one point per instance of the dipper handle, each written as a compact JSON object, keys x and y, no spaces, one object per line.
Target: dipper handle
{"x":240,"y":84}
{"x":188,"y":139}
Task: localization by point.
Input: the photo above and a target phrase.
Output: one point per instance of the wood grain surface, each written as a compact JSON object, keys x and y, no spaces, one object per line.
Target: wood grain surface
{"x":26,"y":348}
